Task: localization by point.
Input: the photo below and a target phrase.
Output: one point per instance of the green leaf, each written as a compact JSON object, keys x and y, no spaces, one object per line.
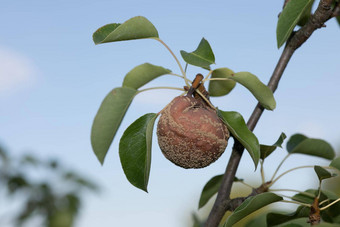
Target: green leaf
{"x":135,"y":150}
{"x":304,"y":197}
{"x":329,"y":195}
{"x":134,"y":28}
{"x":293,"y":224}
{"x":326,"y":224}
{"x":266,"y":150}
{"x":261,"y":92}
{"x":259,"y":220}
{"x":322,"y":173}
{"x":211,"y":188}
{"x":16,"y":182}
{"x":289,"y":17}
{"x":279,"y":218}
{"x":3,"y":155}
{"x":294,"y":140}
{"x":338,"y":19}
{"x":306,"y":15}
{"x":61,"y":217}
{"x":108,"y":119}
{"x":251,"y":205}
{"x":314,"y":147}
{"x":197,"y":221}
{"x":236,"y":179}
{"x":336,"y":163}
{"x":240,"y":131}
{"x":302,"y":222}
{"x":203,"y":56}
{"x":142,"y":74}
{"x":221,"y":87}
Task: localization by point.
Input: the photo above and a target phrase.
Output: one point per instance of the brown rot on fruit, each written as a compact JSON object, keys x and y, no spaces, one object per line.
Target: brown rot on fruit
{"x":190,"y":133}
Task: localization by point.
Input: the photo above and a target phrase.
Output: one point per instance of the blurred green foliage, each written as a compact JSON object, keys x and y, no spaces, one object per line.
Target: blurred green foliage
{"x":46,"y":190}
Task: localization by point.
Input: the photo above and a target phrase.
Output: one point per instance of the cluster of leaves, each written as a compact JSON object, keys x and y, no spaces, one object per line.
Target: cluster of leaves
{"x":325,"y":202}
{"x":54,"y":196}
{"x":135,"y":144}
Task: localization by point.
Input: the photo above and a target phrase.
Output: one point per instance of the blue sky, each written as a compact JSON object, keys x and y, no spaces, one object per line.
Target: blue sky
{"x":53,"y":79}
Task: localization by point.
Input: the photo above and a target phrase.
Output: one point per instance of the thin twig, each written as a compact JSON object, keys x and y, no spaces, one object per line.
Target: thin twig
{"x":279,"y":166}
{"x":245,"y":184}
{"x":262,"y":172}
{"x":296,"y":168}
{"x":209,"y":79}
{"x":293,"y":190}
{"x":324,"y":201}
{"x":207,"y":76}
{"x":295,"y":202}
{"x":205,"y":99}
{"x":174,"y":74}
{"x":155,"y":88}
{"x":332,"y":203}
{"x":176,"y":59}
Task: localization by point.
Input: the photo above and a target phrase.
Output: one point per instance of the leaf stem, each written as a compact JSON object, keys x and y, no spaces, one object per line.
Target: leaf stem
{"x":299,"y":167}
{"x":154,"y":88}
{"x":286,"y":196}
{"x":244,"y":183}
{"x":293,"y":190}
{"x":332,"y":203}
{"x":324,"y":201}
{"x":319,"y":189}
{"x":176,"y":59}
{"x":262,"y":171}
{"x":279,"y":166}
{"x":295,"y":202}
{"x":209,"y":79}
{"x":205,"y":99}
{"x":174,"y":74}
{"x":207,"y":76}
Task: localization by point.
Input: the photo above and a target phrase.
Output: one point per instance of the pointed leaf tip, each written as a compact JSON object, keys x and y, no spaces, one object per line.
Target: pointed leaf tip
{"x":289,"y":18}
{"x":322,"y":173}
{"x":211,"y":188}
{"x":108,"y":118}
{"x":203,"y":56}
{"x":135,"y":150}
{"x":135,"y":28}
{"x":240,"y":131}
{"x":266,"y":150}
{"x":260,"y":91}
{"x":251,"y":205}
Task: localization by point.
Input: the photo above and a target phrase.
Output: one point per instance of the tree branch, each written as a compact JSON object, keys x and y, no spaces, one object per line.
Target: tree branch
{"x":336,"y":10}
{"x":223,"y":202}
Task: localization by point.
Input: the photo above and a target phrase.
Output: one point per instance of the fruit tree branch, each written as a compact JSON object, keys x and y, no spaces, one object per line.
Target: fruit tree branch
{"x":223,"y":202}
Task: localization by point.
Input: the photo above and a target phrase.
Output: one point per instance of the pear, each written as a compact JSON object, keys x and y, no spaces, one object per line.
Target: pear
{"x":190,"y":133}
